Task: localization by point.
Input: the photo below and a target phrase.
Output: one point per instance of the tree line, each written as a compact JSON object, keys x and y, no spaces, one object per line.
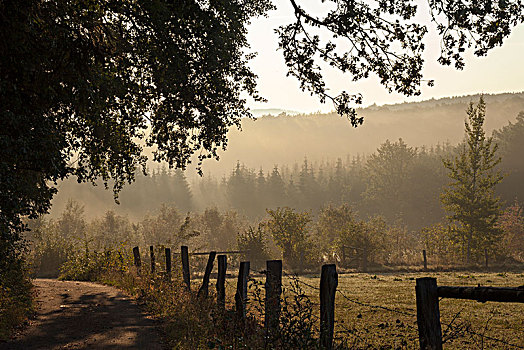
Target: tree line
{"x":390,"y":204}
{"x":399,"y":182}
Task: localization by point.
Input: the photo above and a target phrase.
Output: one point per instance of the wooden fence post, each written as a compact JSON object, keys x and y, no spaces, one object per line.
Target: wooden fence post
{"x":168,"y":262}
{"x":136,"y":255}
{"x":184,"y":254}
{"x":486,"y":255}
{"x":272,"y":303}
{"x":328,"y":288}
{"x":425,"y":260}
{"x":428,"y":314}
{"x":221,"y":281}
{"x":241,"y":293}
{"x":152,"y":255}
{"x":204,"y":289}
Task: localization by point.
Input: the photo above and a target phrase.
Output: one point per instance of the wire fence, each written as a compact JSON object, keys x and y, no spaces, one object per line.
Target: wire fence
{"x":449,"y":333}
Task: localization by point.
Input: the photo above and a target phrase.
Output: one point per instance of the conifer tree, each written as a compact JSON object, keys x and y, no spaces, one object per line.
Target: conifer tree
{"x":469,"y":199}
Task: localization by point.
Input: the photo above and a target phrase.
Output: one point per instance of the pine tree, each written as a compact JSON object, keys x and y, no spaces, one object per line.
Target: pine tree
{"x":469,"y":199}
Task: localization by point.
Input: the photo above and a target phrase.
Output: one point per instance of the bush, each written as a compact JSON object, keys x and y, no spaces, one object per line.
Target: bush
{"x":290,"y":230}
{"x":92,"y":266}
{"x":16,"y":302}
{"x":254,"y":243}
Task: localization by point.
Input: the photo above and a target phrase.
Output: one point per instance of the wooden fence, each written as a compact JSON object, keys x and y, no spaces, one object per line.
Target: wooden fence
{"x":273,"y":289}
{"x":428,"y":313}
{"x":426,"y":289}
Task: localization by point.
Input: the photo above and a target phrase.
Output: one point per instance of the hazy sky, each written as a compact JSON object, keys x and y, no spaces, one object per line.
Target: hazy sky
{"x":502,"y":70}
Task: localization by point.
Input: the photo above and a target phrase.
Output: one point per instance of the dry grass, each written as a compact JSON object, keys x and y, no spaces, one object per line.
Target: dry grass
{"x":466,"y":324}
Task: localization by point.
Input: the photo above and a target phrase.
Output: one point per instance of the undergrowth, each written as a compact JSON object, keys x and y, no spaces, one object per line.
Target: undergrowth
{"x":16,"y":299}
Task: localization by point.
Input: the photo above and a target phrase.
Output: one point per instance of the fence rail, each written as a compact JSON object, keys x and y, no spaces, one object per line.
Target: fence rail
{"x":428,"y":312}
{"x":483,"y":294}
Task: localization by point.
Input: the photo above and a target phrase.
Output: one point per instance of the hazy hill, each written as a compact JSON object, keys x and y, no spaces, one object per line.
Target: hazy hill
{"x":286,"y":139}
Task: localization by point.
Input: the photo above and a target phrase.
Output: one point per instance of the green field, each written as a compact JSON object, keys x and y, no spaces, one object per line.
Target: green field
{"x":466,"y":324}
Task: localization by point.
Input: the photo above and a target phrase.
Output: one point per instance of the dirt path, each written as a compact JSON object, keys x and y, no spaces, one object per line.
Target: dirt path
{"x":82,"y":315}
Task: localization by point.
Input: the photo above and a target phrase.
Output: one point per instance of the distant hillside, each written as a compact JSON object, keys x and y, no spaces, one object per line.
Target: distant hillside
{"x":280,"y":139}
{"x":287,"y":139}
{"x":271,"y":111}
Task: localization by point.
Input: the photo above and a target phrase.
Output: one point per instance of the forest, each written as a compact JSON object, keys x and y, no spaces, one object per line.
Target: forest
{"x":389,"y":200}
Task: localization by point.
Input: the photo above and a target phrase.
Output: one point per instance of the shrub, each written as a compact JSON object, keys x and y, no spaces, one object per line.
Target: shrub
{"x":254,"y":243}
{"x":16,"y":302}
{"x":92,"y":266}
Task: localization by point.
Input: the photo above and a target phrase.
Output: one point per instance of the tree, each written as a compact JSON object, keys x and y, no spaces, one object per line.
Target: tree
{"x":384,"y":37}
{"x":290,"y":232}
{"x":85,"y":84}
{"x":332,"y":220}
{"x":512,"y":224}
{"x":386,"y":175}
{"x":469,"y":198}
{"x":253,"y":243}
{"x":510,"y":138}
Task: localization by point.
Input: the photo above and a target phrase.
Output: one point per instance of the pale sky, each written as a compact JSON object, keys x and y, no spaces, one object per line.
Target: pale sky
{"x":502,"y":70}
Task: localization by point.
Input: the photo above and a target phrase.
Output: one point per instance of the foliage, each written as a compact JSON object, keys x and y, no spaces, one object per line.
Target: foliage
{"x":82,"y":91}
{"x":386,"y":174}
{"x":109,"y":231}
{"x":297,"y":321}
{"x":16,"y":294}
{"x":512,"y":224}
{"x":167,"y":227}
{"x":469,"y":199}
{"x":367,"y":238}
{"x":386,"y":38}
{"x":331,"y":222}
{"x":92,"y":266}
{"x":49,"y":249}
{"x":439,"y":243}
{"x":54,"y":240}
{"x":290,"y":233}
{"x":510,"y":138}
{"x":254,"y":242}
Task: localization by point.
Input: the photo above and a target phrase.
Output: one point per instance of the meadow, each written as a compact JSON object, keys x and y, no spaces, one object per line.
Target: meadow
{"x":378,"y":311}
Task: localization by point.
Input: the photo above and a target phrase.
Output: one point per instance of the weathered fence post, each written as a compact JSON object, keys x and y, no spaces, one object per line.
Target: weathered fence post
{"x":486,"y":255}
{"x":204,"y":289}
{"x":428,"y":314}
{"x":425,"y":260}
{"x":328,"y":288}
{"x":152,"y":255}
{"x":241,"y":293}
{"x":167,"y":253}
{"x":184,"y":254}
{"x":136,"y":255}
{"x":272,"y":303}
{"x":221,"y":281}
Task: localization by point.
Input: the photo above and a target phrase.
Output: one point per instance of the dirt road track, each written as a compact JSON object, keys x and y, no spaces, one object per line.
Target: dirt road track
{"x":83,"y":315}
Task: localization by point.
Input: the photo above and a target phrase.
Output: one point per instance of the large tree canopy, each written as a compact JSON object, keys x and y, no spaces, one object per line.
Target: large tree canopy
{"x":85,"y":84}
